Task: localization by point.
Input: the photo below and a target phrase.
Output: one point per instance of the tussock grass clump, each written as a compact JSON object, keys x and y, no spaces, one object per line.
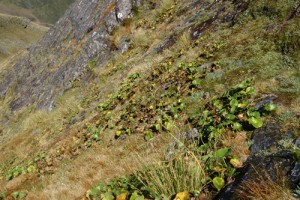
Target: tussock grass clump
{"x":265,"y":188}
{"x":183,"y":173}
{"x":142,"y":39}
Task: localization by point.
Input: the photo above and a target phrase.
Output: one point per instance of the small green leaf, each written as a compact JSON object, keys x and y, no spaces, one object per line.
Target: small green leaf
{"x":205,"y":157}
{"x":103,"y":106}
{"x":250,"y":90}
{"x":201,"y":122}
{"x":169,"y":126}
{"x":221,"y":153}
{"x":176,"y":116}
{"x":270,"y":107}
{"x":93,"y":192}
{"x":9,"y":176}
{"x":95,"y":137}
{"x":116,"y":191}
{"x":203,"y":147}
{"x":174,"y":110}
{"x":196,"y":82}
{"x":255,"y":114}
{"x":148,"y":135}
{"x":128,"y":131}
{"x":135,"y":196}
{"x":101,"y":187}
{"x":108,"y":116}
{"x":255,"y":122}
{"x":230,"y":116}
{"x":237,"y":126}
{"x":217,"y":102}
{"x":19,"y":195}
{"x":108,"y":196}
{"x":242,"y":85}
{"x":234,"y":103}
{"x":218,"y":183}
{"x":157,"y":127}
{"x":95,"y":130}
{"x":182,"y":106}
{"x":232,"y":110}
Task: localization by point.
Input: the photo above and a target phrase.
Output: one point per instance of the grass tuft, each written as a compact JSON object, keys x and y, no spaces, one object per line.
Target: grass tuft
{"x":183,"y":173}
{"x":265,"y":188}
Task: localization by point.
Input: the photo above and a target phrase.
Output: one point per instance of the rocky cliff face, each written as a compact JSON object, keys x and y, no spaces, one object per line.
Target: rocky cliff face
{"x":62,"y":56}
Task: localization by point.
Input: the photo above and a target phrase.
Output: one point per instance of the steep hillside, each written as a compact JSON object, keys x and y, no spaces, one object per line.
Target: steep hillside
{"x":145,"y":99}
{"x":45,"y":11}
{"x":17,"y":33}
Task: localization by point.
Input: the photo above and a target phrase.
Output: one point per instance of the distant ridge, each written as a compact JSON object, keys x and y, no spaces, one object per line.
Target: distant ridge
{"x":46,"y":12}
{"x":17,"y":33}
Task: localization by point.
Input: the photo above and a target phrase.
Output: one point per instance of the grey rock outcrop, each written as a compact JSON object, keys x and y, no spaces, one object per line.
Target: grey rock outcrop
{"x":48,"y":68}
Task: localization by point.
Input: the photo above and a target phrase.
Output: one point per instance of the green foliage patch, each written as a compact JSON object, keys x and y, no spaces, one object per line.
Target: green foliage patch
{"x":233,"y":111}
{"x":159,"y":104}
{"x":30,"y":166}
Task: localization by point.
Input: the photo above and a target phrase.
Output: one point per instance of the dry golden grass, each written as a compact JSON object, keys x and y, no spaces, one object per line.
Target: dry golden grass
{"x":238,"y":143}
{"x":264,"y":188}
{"x":184,"y":42}
{"x":142,"y":39}
{"x":46,"y":131}
{"x":100,"y":163}
{"x":184,"y":172}
{"x":181,"y":174}
{"x":35,"y":131}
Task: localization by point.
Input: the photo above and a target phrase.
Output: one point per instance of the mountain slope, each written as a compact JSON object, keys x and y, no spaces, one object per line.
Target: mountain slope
{"x":109,"y":75}
{"x":17,"y":33}
{"x":46,"y":11}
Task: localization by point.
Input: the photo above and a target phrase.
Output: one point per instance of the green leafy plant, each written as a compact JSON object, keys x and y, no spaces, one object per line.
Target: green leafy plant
{"x":92,"y":134}
{"x":148,"y":135}
{"x":3,"y":195}
{"x":30,"y":166}
{"x":19,"y":195}
{"x":221,"y":153}
{"x":232,"y":110}
{"x":270,"y":107}
{"x":297,"y":191}
{"x":124,"y":185}
{"x":218,"y":183}
{"x":255,"y":122}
